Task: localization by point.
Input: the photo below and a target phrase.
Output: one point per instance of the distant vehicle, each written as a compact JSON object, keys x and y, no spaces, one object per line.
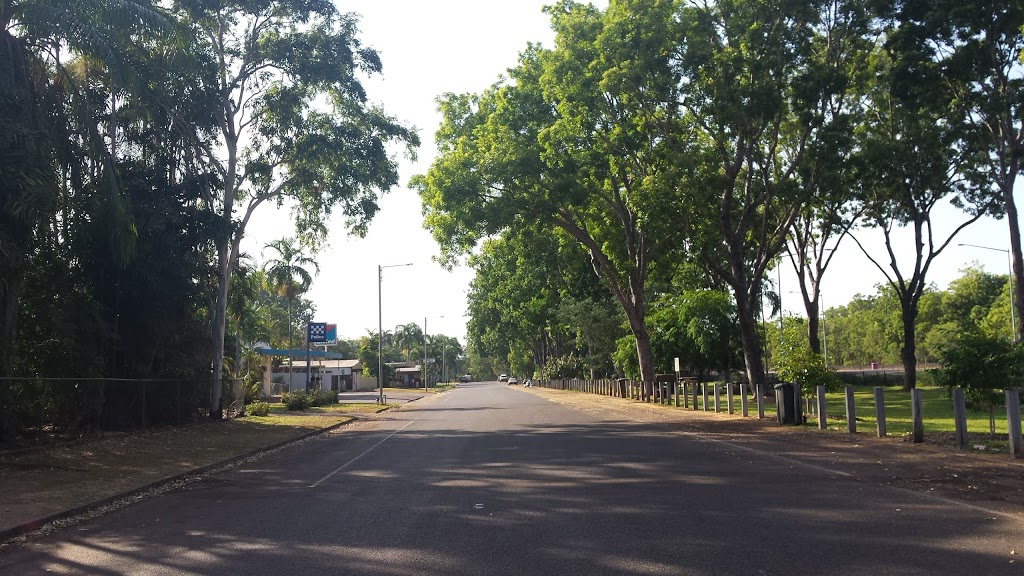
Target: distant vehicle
{"x":503,"y":378}
{"x":513,"y":380}
{"x":465,"y":378}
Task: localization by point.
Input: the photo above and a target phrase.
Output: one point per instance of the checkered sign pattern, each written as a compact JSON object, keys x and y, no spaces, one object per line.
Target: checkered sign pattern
{"x":317,"y":331}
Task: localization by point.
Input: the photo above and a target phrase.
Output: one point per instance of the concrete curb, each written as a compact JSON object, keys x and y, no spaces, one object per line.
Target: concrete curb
{"x":9,"y":533}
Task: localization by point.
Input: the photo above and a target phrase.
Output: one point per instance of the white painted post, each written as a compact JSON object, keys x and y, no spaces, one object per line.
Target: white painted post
{"x":916,"y":415}
{"x":960,"y":417}
{"x":1013,"y":422}
{"x":880,"y":410}
{"x":822,"y":409}
{"x":851,"y":411}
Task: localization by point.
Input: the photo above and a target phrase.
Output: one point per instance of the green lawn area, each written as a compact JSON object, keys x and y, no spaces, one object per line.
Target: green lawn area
{"x":359,"y":407}
{"x":936,"y":409}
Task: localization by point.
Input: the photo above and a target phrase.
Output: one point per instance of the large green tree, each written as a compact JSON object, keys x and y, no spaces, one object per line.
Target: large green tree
{"x":982,"y":44}
{"x":295,"y":125}
{"x":580,"y":139}
{"x":915,"y":157}
{"x":755,"y":81}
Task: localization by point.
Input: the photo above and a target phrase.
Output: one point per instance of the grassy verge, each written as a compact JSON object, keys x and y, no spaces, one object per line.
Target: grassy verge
{"x":347,"y":408}
{"x":40,"y":483}
{"x":936,"y":410}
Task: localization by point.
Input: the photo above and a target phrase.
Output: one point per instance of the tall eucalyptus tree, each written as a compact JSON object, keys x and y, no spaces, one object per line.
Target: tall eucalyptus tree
{"x":295,"y":125}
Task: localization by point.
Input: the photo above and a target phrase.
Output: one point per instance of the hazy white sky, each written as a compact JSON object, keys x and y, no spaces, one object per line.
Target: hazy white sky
{"x":429,"y":48}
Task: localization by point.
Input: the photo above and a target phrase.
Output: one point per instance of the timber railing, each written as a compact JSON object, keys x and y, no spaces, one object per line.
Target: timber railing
{"x":909,"y":410}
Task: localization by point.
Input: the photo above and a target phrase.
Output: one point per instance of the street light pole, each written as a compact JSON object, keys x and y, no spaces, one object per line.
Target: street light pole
{"x":1009,"y":261}
{"x":424,"y":353}
{"x":380,"y":330}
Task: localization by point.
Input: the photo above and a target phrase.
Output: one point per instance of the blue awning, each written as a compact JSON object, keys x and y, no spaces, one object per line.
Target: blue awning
{"x":300,"y":353}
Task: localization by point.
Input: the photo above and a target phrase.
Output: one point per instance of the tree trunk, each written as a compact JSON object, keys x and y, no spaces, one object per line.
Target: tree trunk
{"x":813,"y":326}
{"x":751,"y":343}
{"x":219,"y":327}
{"x":908,"y":353}
{"x":1017,"y":264}
{"x":644,"y":355}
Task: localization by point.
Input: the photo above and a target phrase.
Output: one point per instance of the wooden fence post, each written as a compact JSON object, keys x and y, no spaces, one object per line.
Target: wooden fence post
{"x":960,"y":417}
{"x":760,"y":401}
{"x":718,"y":397}
{"x":704,"y":392}
{"x":675,"y":388}
{"x":822,"y":409}
{"x":1013,"y":422}
{"x":851,"y":411}
{"x":728,"y":398}
{"x":743,"y":399}
{"x":916,"y":416}
{"x":695,"y":391}
{"x":880,"y":410}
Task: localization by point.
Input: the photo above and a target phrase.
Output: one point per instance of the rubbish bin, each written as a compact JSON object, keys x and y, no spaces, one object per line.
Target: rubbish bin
{"x":874,"y":365}
{"x":787,"y":404}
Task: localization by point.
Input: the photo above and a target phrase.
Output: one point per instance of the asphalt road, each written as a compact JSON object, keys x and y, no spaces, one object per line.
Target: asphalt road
{"x":490,"y":479}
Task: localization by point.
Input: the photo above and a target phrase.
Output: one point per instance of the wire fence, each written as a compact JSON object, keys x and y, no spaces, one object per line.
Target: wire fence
{"x":60,"y":406}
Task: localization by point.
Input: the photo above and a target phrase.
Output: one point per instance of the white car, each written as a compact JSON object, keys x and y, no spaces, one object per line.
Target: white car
{"x":503,"y":378}
{"x":513,"y":380}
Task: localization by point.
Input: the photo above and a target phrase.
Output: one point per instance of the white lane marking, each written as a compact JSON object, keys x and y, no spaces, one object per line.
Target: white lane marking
{"x":350,"y":462}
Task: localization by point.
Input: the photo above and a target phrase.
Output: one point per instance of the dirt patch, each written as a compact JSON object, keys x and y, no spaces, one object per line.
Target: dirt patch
{"x":39,"y":483}
{"x":994,"y":481}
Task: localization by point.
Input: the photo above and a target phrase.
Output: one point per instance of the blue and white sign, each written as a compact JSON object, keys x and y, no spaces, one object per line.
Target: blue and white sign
{"x":316,"y":332}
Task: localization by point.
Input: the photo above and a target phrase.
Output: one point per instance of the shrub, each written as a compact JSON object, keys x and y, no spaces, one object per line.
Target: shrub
{"x":322,"y":398}
{"x":258,"y":408}
{"x":983,"y":366}
{"x":295,"y":401}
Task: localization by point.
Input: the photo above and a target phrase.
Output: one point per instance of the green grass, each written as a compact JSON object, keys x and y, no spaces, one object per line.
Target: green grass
{"x":936,"y":410}
{"x":360,"y":407}
{"x":303,"y":420}
{"x":936,"y":405}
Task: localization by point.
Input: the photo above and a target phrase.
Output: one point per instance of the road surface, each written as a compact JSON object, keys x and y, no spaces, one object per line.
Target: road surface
{"x":492,"y":479}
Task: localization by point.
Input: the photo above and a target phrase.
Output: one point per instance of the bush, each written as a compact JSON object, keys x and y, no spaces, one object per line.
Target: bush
{"x":983,"y":366}
{"x":323,"y":398}
{"x":258,"y":408}
{"x":295,"y":401}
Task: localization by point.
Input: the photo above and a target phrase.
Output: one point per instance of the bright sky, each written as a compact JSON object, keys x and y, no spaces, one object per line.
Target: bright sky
{"x":429,"y":48}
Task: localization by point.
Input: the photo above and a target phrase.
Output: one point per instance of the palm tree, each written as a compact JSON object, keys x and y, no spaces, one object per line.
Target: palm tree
{"x":407,"y":336}
{"x":36,"y":37}
{"x":288,"y":275}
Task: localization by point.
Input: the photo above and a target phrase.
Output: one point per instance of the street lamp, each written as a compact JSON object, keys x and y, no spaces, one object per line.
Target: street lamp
{"x":1009,"y":261}
{"x":425,"y":373}
{"x":380,"y":330}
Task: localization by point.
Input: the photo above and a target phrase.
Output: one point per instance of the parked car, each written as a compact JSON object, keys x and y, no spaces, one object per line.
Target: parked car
{"x":466,"y":378}
{"x":513,"y":380}
{"x":503,"y":378}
